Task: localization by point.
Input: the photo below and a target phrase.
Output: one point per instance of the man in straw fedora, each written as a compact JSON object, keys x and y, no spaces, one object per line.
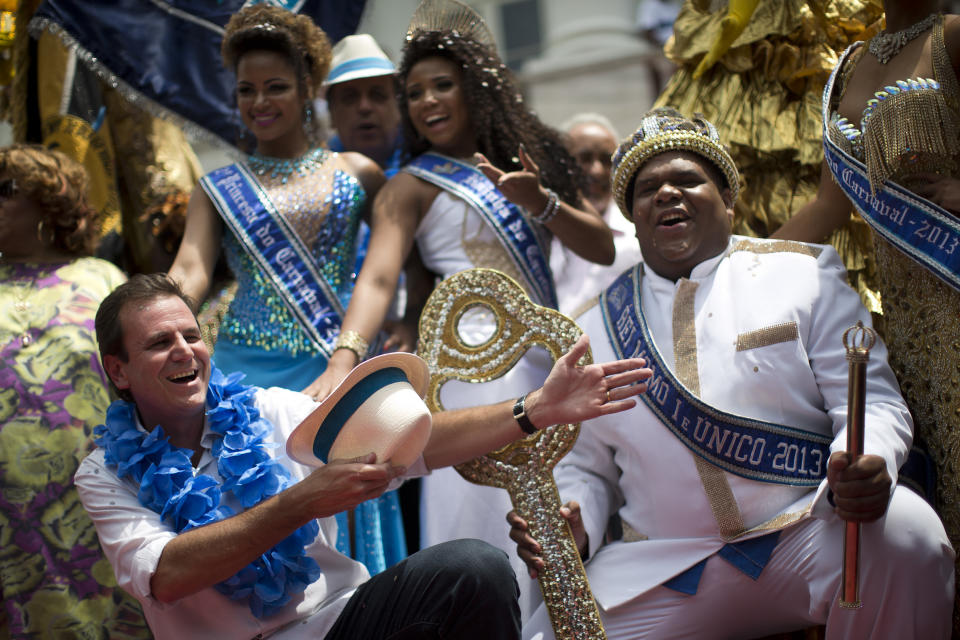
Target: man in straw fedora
{"x":218,"y":535}
{"x":361,"y":96}
{"x":731,"y":478}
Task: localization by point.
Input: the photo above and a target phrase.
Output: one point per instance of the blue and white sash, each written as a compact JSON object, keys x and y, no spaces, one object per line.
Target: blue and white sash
{"x":275,"y":247}
{"x":922,"y":230}
{"x":518,"y":237}
{"x":750,"y":448}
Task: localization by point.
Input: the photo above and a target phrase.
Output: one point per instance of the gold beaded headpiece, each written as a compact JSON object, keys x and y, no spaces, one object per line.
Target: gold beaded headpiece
{"x":661,"y":130}
{"x":453,"y":16}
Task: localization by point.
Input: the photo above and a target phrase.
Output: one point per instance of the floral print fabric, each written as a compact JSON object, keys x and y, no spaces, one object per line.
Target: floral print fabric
{"x":55,"y":581}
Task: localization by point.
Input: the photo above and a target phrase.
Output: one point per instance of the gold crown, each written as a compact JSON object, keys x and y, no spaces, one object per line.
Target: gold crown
{"x":452,"y":16}
{"x":665,"y":129}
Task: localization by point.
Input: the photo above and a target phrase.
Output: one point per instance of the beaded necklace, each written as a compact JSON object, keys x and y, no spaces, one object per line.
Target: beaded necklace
{"x":283,"y":168}
{"x":886,"y":45}
{"x":169,"y":487}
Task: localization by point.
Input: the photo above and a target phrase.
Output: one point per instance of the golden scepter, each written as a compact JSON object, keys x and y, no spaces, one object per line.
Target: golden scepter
{"x":857,"y":340}
{"x":525,"y":467}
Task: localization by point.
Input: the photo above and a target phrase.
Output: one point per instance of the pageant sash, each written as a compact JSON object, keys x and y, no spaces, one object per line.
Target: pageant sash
{"x":922,"y":230}
{"x":275,"y":247}
{"x":753,"y":449}
{"x":519,"y":238}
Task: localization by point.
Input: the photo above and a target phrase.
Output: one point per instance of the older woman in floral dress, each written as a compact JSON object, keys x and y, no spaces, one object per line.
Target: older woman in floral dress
{"x":54,"y":579}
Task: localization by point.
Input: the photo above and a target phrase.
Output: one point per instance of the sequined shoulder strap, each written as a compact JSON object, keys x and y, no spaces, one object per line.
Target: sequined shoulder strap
{"x":843,"y":77}
{"x":942,"y":67}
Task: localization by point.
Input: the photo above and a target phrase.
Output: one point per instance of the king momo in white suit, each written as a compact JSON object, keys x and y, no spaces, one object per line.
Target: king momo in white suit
{"x":731,"y":532}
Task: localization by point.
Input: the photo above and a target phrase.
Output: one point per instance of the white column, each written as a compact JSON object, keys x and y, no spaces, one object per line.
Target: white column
{"x":593,"y":60}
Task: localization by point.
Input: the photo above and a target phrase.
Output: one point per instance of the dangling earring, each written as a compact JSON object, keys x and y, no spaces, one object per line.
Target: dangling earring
{"x":308,"y":120}
{"x":40,"y":235}
{"x":244,"y":137}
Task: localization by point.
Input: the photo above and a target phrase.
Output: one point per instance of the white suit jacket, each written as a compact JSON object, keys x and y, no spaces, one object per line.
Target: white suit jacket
{"x":629,"y":463}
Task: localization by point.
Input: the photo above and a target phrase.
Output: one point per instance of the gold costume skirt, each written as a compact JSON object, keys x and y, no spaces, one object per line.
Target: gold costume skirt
{"x":764,"y":97}
{"x":922,"y":331}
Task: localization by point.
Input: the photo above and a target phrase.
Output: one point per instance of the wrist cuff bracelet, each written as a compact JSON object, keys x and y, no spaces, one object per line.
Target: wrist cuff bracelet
{"x":354,"y":342}
{"x":549,"y":211}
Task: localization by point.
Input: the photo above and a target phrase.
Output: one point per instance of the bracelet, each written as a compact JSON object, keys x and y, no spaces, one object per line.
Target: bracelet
{"x":354,"y":342}
{"x":549,"y":211}
{"x":520,"y":414}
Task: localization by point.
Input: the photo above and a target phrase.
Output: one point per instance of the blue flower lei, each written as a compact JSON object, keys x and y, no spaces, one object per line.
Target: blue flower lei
{"x":168,"y":486}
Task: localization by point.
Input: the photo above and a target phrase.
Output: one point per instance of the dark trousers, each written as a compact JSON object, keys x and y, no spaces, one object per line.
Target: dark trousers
{"x":457,"y":590}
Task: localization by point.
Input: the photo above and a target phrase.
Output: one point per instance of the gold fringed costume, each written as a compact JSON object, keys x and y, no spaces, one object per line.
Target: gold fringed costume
{"x":764,"y":96}
{"x":917,"y":133}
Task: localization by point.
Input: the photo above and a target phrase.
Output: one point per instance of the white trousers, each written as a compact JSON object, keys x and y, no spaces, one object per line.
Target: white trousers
{"x":906,"y":587}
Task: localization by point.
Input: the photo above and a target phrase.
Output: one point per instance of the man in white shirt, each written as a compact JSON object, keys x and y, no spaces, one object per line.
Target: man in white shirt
{"x":731,"y":478}
{"x":591,"y":140}
{"x":219,"y":536}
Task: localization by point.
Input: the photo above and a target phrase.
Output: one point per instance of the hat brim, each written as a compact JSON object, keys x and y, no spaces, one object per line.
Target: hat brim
{"x":368,"y":67}
{"x":301,"y":442}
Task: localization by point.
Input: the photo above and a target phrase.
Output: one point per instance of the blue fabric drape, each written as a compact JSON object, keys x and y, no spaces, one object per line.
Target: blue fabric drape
{"x":169,"y":51}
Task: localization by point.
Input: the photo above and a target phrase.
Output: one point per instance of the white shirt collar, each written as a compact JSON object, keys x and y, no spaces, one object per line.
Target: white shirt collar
{"x":703,"y":270}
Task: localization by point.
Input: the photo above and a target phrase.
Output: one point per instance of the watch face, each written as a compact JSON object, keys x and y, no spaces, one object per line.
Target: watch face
{"x":518,"y":408}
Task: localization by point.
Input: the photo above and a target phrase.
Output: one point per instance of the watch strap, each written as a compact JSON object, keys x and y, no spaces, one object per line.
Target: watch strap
{"x":520,"y":414}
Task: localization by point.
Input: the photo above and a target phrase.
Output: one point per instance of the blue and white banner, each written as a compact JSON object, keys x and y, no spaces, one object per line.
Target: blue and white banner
{"x":515,"y":232}
{"x":165,"y":54}
{"x":750,"y":448}
{"x":924,"y":231}
{"x":278,"y":251}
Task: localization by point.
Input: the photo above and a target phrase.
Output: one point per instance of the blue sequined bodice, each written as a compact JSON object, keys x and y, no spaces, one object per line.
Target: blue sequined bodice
{"x":324,"y":208}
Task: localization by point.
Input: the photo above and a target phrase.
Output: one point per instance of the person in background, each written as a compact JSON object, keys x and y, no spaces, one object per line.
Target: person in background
{"x":361,"y":95}
{"x":54,"y":579}
{"x":591,"y":140}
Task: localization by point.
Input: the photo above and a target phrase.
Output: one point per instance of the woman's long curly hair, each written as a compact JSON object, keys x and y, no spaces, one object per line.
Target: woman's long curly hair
{"x":498,"y":114}
{"x":58,"y":185}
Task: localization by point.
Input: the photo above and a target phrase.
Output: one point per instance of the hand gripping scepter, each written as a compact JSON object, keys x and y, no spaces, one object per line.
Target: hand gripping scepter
{"x":857,"y":340}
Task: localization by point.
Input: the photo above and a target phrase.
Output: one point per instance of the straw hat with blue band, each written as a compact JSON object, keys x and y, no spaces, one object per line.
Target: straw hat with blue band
{"x":358,"y":56}
{"x":377,"y":408}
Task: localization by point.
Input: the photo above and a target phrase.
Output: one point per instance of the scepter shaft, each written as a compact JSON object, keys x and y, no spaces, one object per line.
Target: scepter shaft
{"x":861,"y":340}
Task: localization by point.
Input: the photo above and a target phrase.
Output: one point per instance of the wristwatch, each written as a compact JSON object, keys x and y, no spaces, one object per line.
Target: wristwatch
{"x":520,"y":413}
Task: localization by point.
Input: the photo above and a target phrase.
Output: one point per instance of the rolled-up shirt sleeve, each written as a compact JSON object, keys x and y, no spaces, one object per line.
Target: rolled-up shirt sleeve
{"x":132,"y":536}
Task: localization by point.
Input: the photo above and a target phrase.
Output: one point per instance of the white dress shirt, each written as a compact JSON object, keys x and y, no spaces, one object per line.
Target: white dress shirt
{"x":133,"y":538}
{"x":630,"y":463}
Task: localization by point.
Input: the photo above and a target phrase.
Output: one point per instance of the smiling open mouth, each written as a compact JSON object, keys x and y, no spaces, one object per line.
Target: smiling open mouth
{"x":184,"y":378}
{"x":671,"y":219}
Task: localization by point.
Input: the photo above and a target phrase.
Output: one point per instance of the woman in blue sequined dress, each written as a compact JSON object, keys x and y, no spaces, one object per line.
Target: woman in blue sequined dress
{"x":286,"y":220}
